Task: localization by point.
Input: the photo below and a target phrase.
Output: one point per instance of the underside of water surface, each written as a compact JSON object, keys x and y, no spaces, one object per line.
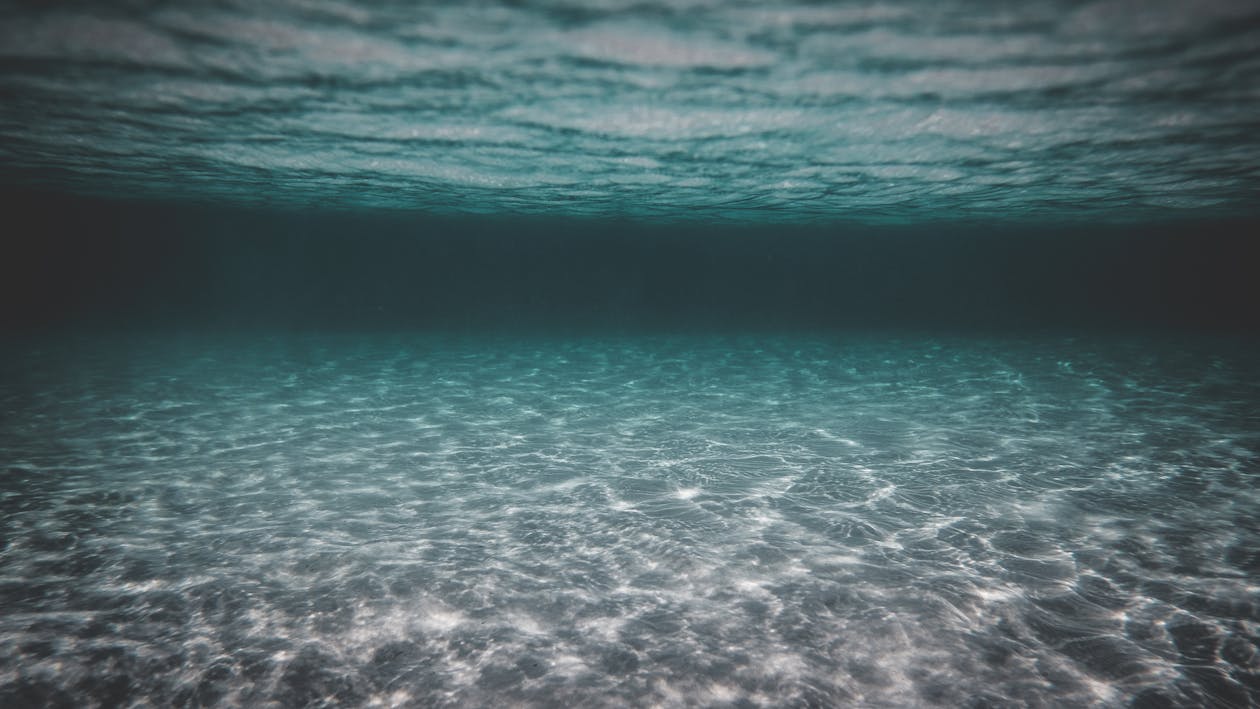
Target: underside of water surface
{"x":630,"y":354}
{"x":709,"y":111}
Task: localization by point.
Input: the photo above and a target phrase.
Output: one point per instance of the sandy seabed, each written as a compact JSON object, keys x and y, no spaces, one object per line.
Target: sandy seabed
{"x":391,"y":520}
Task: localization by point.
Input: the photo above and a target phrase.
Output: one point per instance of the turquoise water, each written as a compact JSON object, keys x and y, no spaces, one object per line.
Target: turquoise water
{"x":413,"y":520}
{"x":889,"y":112}
{"x":629,"y":353}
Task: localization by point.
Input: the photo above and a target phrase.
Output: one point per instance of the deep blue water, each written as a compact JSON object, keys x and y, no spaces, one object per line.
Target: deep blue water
{"x":629,"y":354}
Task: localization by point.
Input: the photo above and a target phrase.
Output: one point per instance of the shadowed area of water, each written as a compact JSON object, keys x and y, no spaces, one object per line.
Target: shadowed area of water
{"x":417,"y":520}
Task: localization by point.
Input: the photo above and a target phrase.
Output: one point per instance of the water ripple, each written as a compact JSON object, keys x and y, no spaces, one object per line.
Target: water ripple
{"x":424,"y":521}
{"x":890,"y":112}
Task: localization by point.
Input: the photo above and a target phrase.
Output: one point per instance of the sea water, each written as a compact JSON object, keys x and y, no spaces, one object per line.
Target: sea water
{"x":700,"y":110}
{"x":629,"y":353}
{"x":398,"y":520}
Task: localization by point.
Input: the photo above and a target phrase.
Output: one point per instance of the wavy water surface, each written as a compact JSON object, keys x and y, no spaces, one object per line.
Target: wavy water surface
{"x":892,"y":111}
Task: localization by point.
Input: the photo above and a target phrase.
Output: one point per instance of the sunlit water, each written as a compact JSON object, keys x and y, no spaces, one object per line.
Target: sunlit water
{"x":777,"y":521}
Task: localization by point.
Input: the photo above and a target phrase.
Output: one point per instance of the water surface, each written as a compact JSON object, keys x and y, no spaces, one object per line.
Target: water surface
{"x":893,"y":111}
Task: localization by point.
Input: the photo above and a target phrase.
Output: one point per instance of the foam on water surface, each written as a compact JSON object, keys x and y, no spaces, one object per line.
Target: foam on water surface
{"x":414,"y":520}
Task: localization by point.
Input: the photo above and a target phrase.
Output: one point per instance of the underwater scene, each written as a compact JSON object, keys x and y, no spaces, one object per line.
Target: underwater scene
{"x":410,"y":520}
{"x":624,"y":353}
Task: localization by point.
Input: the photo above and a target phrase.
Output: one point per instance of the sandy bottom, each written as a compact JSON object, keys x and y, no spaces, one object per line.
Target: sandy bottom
{"x":798,"y":521}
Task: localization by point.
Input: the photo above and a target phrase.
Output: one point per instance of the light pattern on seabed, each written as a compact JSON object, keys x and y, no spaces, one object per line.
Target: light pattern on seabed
{"x":779,"y":520}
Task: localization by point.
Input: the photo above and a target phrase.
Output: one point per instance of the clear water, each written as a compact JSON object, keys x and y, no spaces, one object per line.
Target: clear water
{"x":417,"y":520}
{"x":629,"y":353}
